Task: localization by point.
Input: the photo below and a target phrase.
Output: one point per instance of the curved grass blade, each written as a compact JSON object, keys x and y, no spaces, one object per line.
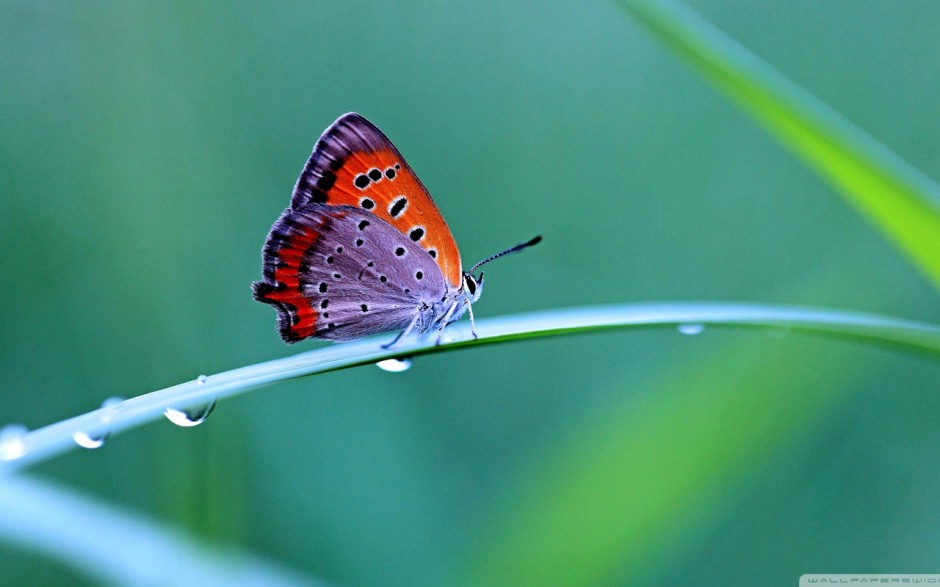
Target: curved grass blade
{"x":897,"y":198}
{"x":117,"y":547}
{"x":26,"y":449}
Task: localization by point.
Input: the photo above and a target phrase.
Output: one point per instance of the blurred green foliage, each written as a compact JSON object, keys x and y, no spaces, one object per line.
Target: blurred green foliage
{"x":145,"y":148}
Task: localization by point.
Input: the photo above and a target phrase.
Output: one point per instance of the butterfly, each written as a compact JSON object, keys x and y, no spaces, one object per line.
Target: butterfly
{"x":363,"y":249}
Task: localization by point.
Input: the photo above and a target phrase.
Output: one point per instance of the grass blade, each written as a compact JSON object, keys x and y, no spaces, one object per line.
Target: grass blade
{"x":26,"y":449}
{"x":120,"y":548}
{"x":898,"y":199}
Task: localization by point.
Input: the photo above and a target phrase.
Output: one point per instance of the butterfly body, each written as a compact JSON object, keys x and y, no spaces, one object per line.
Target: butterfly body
{"x":362,"y":249}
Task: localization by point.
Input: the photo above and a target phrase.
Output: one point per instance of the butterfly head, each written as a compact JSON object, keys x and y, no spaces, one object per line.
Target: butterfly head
{"x":472,"y":286}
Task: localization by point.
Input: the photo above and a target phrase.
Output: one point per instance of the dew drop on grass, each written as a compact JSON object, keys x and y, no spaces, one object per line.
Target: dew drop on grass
{"x":86,"y":440}
{"x":192,"y":416}
{"x":109,"y":406}
{"x":201,"y":379}
{"x":394,"y":365}
{"x":12,"y":446}
{"x":691,"y":329}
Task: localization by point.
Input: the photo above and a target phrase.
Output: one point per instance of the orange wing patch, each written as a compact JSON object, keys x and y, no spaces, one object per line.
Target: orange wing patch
{"x":354,"y":164}
{"x":284,"y":250}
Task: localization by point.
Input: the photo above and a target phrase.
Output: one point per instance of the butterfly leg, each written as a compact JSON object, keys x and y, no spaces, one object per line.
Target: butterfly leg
{"x":473,"y":326}
{"x":445,"y":321}
{"x":403,"y":333}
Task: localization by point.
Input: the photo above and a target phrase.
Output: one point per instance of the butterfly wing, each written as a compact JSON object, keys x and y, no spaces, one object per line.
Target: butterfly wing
{"x":341,"y":273}
{"x":355,"y":164}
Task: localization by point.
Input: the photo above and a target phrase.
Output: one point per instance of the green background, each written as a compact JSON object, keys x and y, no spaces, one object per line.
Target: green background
{"x":145,"y":149}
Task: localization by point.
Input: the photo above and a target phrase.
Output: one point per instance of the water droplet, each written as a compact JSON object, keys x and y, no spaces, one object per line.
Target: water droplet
{"x":201,"y":379}
{"x":110,"y":409}
{"x":394,"y":365}
{"x":189,"y":417}
{"x":12,"y":446}
{"x":86,"y":440}
{"x":691,"y":329}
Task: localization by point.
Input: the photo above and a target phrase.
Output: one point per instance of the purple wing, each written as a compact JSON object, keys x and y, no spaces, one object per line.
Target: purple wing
{"x":355,"y":273}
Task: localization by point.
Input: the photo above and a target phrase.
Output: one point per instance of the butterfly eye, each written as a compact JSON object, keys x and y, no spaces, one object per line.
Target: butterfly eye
{"x":471,"y":284}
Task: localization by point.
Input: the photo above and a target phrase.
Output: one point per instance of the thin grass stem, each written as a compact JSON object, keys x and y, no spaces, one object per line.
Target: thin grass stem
{"x":19,"y":450}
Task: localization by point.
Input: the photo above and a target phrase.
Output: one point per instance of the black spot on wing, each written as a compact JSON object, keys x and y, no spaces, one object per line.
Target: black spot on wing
{"x":398,"y":206}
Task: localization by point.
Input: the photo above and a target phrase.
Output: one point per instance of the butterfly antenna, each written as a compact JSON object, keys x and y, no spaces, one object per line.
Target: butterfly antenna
{"x":508,"y":251}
